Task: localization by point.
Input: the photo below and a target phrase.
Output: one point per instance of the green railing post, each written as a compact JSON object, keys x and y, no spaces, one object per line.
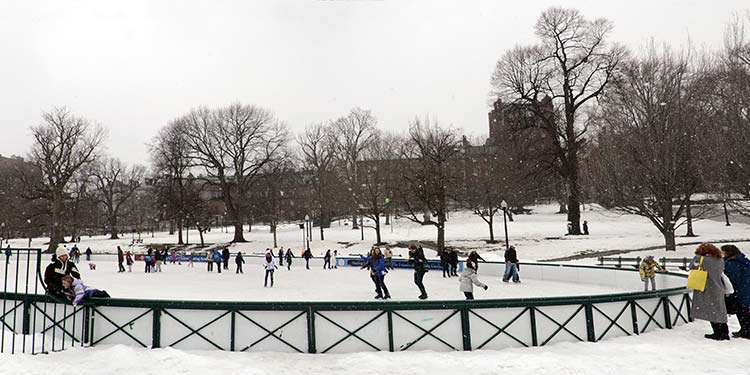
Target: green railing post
{"x":688,"y":303}
{"x":310,"y":330}
{"x":667,"y":314}
{"x":465,"y":328}
{"x":532,"y":320}
{"x":156,"y":329}
{"x":232,"y":332}
{"x":390,"y":330}
{"x":26,"y":315}
{"x":634,"y":315}
{"x":588,"y":309}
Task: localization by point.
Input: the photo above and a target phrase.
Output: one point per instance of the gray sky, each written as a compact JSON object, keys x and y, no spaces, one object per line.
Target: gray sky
{"x":134,"y":65}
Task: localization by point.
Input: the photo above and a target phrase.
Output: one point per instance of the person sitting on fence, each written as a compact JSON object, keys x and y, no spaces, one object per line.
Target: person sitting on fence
{"x":80,"y":291}
{"x":60,"y":266}
{"x":647,"y":270}
{"x":468,"y":279}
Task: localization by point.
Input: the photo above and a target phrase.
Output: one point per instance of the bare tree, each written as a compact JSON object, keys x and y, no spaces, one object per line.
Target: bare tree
{"x":350,"y":135}
{"x":234,"y":145}
{"x":170,"y":158}
{"x":428,"y":177}
{"x":115,"y":183}
{"x":318,"y":157}
{"x":648,"y":145}
{"x":557,"y":79}
{"x":379,"y":178}
{"x":63,"y":143}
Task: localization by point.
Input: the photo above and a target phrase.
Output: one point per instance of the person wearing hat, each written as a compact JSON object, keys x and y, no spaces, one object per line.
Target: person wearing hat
{"x":468,"y":279}
{"x":647,"y":270}
{"x":60,"y":266}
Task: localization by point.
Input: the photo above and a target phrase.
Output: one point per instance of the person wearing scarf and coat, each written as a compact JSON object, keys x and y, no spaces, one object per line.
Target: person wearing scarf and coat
{"x":709,"y":304}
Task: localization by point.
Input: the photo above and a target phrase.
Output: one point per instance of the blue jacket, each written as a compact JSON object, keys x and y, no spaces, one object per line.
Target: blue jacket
{"x":737,"y":268}
{"x":216,"y":256}
{"x":378,"y":265}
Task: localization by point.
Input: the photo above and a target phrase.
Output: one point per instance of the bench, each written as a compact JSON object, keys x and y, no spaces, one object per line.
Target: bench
{"x":681,"y":263}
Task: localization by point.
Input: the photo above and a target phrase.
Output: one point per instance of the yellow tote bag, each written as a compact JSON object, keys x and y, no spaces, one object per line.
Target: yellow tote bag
{"x":697,"y":278}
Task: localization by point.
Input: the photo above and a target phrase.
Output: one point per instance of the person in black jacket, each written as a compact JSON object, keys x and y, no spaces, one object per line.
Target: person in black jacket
{"x":120,"y":259}
{"x":289,"y":257}
{"x":239,"y":260}
{"x":281,"y":256}
{"x":225,"y":257}
{"x":454,"y":262}
{"x":445,"y":262}
{"x":61,"y":265}
{"x":416,"y":257}
{"x":88,"y":254}
{"x":475,"y":257}
{"x":327,"y":260}
{"x":307,"y":255}
{"x":511,"y":266}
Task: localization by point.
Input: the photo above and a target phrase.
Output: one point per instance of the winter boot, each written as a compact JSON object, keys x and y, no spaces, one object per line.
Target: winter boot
{"x":423,"y":296}
{"x":721,"y":332}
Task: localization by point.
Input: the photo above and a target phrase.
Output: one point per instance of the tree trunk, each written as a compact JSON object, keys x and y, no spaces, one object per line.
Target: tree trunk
{"x":492,"y":230}
{"x":377,"y":229}
{"x":574,"y":199}
{"x":354,"y":221}
{"x":273,"y":230}
{"x":56,"y":232}
{"x":238,"y":235}
{"x":689,"y":217}
{"x":668,"y":226}
{"x":321,"y":232}
{"x":200,"y":232}
{"x":387,"y":218}
{"x":113,"y":227}
{"x":669,"y":241}
{"x":179,"y":232}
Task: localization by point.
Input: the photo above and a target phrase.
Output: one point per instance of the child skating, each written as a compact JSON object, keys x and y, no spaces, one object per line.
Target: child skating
{"x":270,"y":265}
{"x":468,"y":279}
{"x":647,"y":270}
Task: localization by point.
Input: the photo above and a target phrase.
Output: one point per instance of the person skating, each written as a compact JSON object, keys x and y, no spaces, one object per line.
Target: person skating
{"x":327,"y":260}
{"x":647,"y":270}
{"x":269,"y":266}
{"x":417,"y":258}
{"x":307,"y":255}
{"x":61,"y":265}
{"x":209,"y":261}
{"x":335,"y":259}
{"x":737,"y":269}
{"x":388,"y":253}
{"x":453,"y":257}
{"x":147,"y":261}
{"x":512,"y":265}
{"x":377,"y":272}
{"x":88,"y":254}
{"x":159,"y":257}
{"x":289,"y":257}
{"x":445,"y":263}
{"x":225,"y":257}
{"x":475,"y":257}
{"x":217,"y":259}
{"x":120,"y":259}
{"x":709,"y":305}
{"x":585,"y":228}
{"x":129,"y":261}
{"x":468,"y":279}
{"x":281,"y":256}
{"x":239,"y":260}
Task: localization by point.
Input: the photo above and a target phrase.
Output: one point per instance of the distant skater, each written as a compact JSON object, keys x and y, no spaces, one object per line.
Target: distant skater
{"x":129,"y":261}
{"x":648,"y":269}
{"x":217,"y":259}
{"x":270,"y":266}
{"x":585,"y":227}
{"x":307,"y":255}
{"x":289,"y":257}
{"x":120,"y":259}
{"x":327,"y":260}
{"x":444,"y":262}
{"x":454,"y":262}
{"x":281,"y":256}
{"x":225,"y":257}
{"x":512,"y":266}
{"x":239,"y":260}
{"x":416,"y":257}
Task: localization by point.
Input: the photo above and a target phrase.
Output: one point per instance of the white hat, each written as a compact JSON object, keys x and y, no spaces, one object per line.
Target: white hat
{"x":60,"y":251}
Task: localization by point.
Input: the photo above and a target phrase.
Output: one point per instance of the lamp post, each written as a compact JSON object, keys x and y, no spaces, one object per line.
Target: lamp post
{"x":504,"y":206}
{"x":2,"y":233}
{"x":305,"y":232}
{"x":29,"y":221}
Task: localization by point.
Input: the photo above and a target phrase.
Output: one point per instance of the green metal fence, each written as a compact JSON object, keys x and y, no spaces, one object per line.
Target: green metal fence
{"x":42,"y":323}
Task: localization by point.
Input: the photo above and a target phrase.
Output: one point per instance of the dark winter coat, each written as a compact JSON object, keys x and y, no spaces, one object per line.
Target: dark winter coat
{"x":444,"y":259}
{"x":453,"y":258}
{"x":475,"y":257}
{"x":88,"y":251}
{"x":239,"y":259}
{"x":289,"y":256}
{"x":225,"y":254}
{"x":418,"y":259}
{"x":511,"y":256}
{"x":307,"y":254}
{"x":709,"y":304}
{"x":54,"y":273}
{"x":737,"y":268}
{"x":328,"y":255}
{"x":120,"y":255}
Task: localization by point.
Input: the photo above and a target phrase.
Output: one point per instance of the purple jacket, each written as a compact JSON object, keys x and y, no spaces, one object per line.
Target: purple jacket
{"x":81,"y":290}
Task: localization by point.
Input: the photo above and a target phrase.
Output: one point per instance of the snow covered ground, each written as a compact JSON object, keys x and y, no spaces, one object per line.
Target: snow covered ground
{"x":537,"y":236}
{"x":681,"y":351}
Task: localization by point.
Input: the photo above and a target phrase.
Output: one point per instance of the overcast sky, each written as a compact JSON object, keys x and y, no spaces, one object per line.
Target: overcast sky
{"x":134,"y":65}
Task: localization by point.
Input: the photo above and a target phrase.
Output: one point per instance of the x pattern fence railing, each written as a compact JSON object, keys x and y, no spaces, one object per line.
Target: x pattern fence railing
{"x":34,"y":322}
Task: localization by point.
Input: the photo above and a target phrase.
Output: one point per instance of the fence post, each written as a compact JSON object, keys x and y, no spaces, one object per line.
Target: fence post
{"x":634,"y":315}
{"x":310,"y":330}
{"x":390,"y":330}
{"x":619,"y":262}
{"x":466,"y":330}
{"x":231,"y":333}
{"x":532,"y":320}
{"x":26,"y":315}
{"x":667,"y":315}
{"x":590,"y":322}
{"x":156,"y":329}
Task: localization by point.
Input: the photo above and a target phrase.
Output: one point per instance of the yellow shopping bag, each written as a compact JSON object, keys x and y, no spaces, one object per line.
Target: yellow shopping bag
{"x":697,"y":278}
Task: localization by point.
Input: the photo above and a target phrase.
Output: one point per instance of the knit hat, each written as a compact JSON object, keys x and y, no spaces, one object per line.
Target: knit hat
{"x":60,"y":251}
